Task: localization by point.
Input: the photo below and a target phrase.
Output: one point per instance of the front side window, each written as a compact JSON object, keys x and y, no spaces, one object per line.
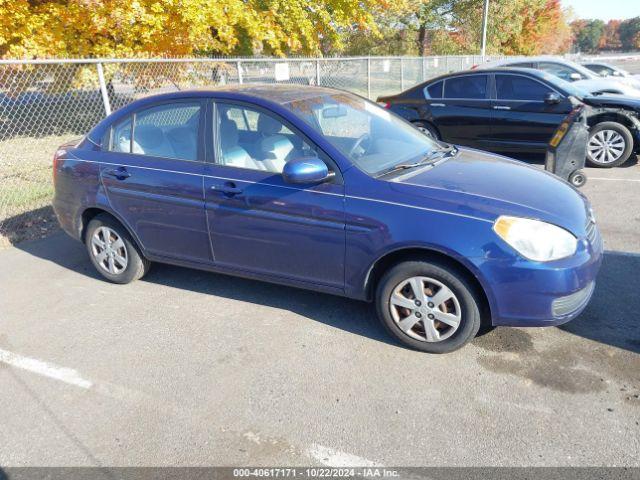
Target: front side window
{"x":467,"y":87}
{"x":561,"y":71}
{"x":371,"y":137}
{"x":516,"y":87}
{"x":255,"y":140}
{"x":168,"y":130}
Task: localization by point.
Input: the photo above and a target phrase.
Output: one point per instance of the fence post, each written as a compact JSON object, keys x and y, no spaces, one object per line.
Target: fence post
{"x":401,"y":74}
{"x":317,"y":72}
{"x":369,"y":78}
{"x":103,"y":89}
{"x":424,"y":68}
{"x":239,"y":68}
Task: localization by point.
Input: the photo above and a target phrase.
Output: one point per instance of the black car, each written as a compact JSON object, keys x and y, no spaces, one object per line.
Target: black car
{"x":516,"y":110}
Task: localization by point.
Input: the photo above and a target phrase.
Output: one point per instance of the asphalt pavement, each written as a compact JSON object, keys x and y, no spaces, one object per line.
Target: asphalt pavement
{"x":193,"y":368}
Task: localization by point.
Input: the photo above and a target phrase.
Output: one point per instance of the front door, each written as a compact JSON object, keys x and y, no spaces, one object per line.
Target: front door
{"x":152,"y":171}
{"x":260,"y":224}
{"x":521,"y":119}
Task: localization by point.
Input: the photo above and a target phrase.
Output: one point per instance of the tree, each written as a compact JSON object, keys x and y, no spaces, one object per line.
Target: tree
{"x":610,"y":39}
{"x":125,"y":28}
{"x":629,"y":32}
{"x":588,"y":34}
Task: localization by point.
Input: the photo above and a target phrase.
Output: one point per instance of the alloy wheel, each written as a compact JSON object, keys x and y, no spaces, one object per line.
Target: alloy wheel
{"x":606,"y":146}
{"x":425,"y":309}
{"x":109,"y":250}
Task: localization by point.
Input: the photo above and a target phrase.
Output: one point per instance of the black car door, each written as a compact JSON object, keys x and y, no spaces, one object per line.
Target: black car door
{"x":523,"y":117}
{"x":462,"y":114}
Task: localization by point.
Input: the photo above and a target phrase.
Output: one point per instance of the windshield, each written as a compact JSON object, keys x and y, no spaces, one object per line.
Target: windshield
{"x":371,"y":137}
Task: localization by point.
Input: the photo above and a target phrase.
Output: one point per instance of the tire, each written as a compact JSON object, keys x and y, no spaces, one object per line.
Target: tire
{"x":463,"y":304}
{"x":616,"y":137}
{"x":122,"y":263}
{"x":577,"y":178}
{"x":428,"y":129}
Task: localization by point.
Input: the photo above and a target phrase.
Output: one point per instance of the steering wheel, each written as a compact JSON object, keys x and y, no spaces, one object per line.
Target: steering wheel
{"x":361,"y":139}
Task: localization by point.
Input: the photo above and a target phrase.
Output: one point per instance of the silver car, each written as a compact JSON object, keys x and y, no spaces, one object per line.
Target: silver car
{"x":570,"y":71}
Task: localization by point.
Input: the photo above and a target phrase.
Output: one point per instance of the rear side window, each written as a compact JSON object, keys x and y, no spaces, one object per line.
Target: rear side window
{"x":168,"y":130}
{"x":469,"y":86}
{"x":516,"y":87}
{"x":434,"y":90}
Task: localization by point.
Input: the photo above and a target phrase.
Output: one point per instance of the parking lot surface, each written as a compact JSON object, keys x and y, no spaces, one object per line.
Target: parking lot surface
{"x":193,"y":368}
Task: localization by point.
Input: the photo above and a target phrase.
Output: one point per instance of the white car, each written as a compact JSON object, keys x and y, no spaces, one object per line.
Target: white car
{"x":607,"y":70}
{"x":570,"y":71}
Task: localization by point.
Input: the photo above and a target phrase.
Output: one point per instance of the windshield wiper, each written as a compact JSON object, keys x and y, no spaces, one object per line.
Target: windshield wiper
{"x":430,"y":158}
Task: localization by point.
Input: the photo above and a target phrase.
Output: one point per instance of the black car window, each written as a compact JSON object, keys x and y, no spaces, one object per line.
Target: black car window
{"x":517,"y":87}
{"x":168,"y":130}
{"x":434,"y":90}
{"x":469,"y":86}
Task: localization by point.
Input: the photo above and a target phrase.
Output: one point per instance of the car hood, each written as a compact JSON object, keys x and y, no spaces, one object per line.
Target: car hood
{"x":613,"y":101}
{"x":598,"y":85}
{"x":484,"y":185}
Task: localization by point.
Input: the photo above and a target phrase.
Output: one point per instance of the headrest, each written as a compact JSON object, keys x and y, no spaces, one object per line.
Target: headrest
{"x":180,"y":135}
{"x":268,"y":125}
{"x":228,"y":133}
{"x":148,"y":136}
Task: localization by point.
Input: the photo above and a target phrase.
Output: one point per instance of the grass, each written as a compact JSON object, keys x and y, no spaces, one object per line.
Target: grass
{"x":26,"y":186}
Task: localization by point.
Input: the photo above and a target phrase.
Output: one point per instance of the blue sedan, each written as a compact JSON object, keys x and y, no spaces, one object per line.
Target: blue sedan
{"x":321,"y":189}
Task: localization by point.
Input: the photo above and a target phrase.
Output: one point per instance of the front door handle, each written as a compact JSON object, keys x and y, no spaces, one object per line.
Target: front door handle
{"x":501,"y":107}
{"x":120,"y":173}
{"x":228,"y":188}
{"x":438,"y":105}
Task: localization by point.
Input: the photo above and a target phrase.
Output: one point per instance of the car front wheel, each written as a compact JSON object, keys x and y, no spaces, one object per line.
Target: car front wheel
{"x":610,"y":144}
{"x":113,"y":252}
{"x":428,"y":306}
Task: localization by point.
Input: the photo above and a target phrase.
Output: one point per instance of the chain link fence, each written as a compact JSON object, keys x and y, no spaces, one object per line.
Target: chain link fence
{"x":44,"y":103}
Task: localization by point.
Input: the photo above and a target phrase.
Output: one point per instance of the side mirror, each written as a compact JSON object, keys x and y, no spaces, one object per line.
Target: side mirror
{"x":575,"y":76}
{"x":551,"y":98}
{"x":305,"y":170}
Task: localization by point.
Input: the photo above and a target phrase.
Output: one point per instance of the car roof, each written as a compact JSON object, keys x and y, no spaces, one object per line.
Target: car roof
{"x":529,"y":71}
{"x":275,"y":93}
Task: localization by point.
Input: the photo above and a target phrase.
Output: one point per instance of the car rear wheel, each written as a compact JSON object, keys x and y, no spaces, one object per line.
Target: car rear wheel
{"x":113,"y":252}
{"x":610,"y":144}
{"x":428,"y":306}
{"x":428,"y":130}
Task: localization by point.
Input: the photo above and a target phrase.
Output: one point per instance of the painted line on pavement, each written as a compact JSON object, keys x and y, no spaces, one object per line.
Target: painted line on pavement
{"x":66,"y":375}
{"x":614,"y":179}
{"x":335,"y":458}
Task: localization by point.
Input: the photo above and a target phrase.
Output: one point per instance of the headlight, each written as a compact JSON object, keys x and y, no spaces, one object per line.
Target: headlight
{"x":536,"y":240}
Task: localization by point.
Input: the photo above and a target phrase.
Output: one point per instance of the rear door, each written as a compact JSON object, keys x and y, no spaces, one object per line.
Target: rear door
{"x":153,"y":176}
{"x":463,"y":114}
{"x":521,"y":119}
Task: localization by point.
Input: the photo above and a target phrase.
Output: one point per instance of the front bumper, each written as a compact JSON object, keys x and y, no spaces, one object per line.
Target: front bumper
{"x":534,"y":294}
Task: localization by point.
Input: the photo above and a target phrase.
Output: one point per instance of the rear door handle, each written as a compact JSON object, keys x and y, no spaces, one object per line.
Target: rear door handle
{"x":228,"y":188}
{"x":120,"y":173}
{"x":501,"y":107}
{"x":438,"y":105}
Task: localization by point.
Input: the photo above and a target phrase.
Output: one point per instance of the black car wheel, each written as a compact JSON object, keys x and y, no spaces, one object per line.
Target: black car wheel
{"x":427,"y":129}
{"x":428,"y":306}
{"x":113,"y":252}
{"x":610,"y":144}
